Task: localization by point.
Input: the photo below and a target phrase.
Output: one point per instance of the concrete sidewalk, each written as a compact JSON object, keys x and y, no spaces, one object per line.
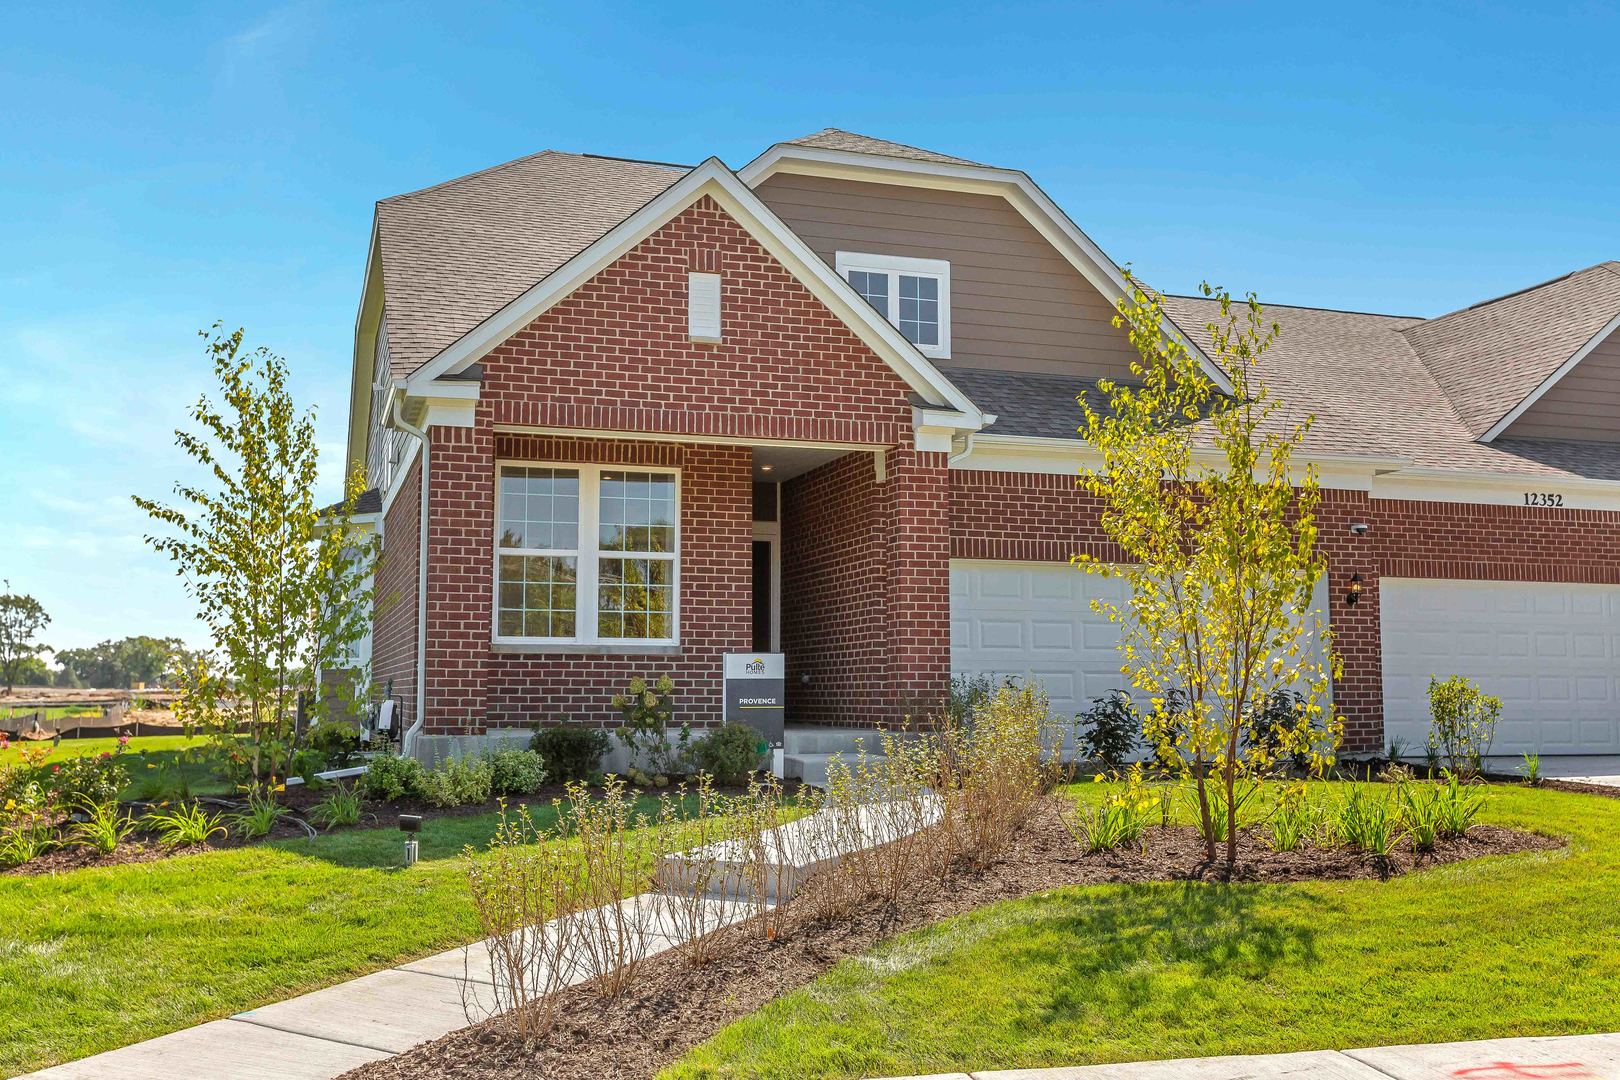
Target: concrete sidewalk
{"x":328,"y":1032}
{"x":1568,"y":1057}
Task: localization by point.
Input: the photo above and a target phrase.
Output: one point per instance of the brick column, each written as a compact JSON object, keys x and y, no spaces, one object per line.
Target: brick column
{"x":1359,"y":693}
{"x":461,"y":509}
{"x":916,"y":501}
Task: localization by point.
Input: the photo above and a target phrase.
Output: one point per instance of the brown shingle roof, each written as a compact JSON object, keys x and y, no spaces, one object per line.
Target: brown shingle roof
{"x":455,"y":253}
{"x":836,"y":139}
{"x":1489,"y":357}
{"x":1371,"y":394}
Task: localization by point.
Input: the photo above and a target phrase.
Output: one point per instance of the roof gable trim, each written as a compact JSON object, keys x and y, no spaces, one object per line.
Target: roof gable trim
{"x":1501,"y":426}
{"x":1015,"y":186}
{"x":714,"y":179}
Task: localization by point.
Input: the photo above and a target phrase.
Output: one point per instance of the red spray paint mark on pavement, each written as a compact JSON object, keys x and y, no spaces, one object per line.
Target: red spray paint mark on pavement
{"x":1507,"y":1070}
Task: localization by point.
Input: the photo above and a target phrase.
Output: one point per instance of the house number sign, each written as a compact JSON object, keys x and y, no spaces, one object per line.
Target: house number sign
{"x":1543,"y":498}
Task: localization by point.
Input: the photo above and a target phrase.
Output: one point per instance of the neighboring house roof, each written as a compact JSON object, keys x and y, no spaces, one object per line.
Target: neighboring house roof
{"x":369,"y":502}
{"x":455,"y":252}
{"x":1491,"y":356}
{"x":1359,"y":375}
{"x":836,"y":139}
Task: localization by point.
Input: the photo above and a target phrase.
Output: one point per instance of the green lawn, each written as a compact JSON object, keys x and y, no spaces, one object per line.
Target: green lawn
{"x":1514,"y":945}
{"x":99,"y":958}
{"x":159,"y":752}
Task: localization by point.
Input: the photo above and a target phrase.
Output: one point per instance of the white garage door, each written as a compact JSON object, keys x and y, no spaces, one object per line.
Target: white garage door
{"x":1035,"y":620}
{"x":1551,"y":652}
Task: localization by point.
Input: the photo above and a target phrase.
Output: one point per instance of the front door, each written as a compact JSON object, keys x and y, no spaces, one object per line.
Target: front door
{"x":765,"y":615}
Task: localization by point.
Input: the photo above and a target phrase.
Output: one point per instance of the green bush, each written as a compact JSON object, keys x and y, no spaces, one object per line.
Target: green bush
{"x":1462,"y":723}
{"x":336,"y":741}
{"x":728,"y":753}
{"x":571,"y":753}
{"x":457,"y":782}
{"x":1109,"y":730}
{"x":93,"y":778}
{"x":390,"y":777}
{"x":516,"y":772}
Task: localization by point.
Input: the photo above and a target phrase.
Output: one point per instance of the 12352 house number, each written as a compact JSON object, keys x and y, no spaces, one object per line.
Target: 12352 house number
{"x":1543,"y":498}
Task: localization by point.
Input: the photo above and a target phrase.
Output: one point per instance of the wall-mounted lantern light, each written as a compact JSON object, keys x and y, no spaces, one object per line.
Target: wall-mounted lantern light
{"x":1352,"y":595}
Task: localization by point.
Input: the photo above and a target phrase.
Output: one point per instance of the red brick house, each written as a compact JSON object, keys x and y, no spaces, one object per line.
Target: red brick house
{"x":624,"y":417}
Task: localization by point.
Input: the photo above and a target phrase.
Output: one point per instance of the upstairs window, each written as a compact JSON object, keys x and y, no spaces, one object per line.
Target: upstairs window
{"x":913,"y":294}
{"x":586,"y":555}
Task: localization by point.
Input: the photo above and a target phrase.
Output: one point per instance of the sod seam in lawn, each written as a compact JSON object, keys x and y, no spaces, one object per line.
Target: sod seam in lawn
{"x":1517,"y":945}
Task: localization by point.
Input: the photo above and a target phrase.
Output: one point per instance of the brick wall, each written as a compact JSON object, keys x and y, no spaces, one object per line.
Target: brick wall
{"x":393,"y":626}
{"x":1039,"y":518}
{"x":615,"y":356}
{"x":715,"y":586}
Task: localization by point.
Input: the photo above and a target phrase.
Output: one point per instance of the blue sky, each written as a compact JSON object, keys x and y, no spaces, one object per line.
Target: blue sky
{"x":169,"y":165}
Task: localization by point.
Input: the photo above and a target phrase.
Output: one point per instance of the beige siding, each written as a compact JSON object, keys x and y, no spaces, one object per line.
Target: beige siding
{"x":1015,"y":302}
{"x":1584,"y":404}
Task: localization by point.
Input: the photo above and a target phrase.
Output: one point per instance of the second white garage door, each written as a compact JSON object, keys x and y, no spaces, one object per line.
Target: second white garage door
{"x":1551,"y":652}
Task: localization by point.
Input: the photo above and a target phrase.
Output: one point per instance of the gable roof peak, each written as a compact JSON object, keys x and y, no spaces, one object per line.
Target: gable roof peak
{"x":832,"y":138}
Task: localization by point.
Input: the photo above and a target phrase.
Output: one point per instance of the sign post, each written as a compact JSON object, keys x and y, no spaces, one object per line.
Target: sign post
{"x":756,"y":686}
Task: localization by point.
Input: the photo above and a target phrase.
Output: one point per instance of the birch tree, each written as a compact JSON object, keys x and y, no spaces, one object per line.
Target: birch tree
{"x":1218,"y":530}
{"x":280,"y":585}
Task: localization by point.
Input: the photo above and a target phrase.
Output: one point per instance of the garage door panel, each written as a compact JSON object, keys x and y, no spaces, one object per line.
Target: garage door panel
{"x":1546,"y":649}
{"x":1035,"y":620}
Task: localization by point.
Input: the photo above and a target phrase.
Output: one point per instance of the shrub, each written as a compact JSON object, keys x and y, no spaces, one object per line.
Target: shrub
{"x":516,"y":772}
{"x":336,"y":741}
{"x":1531,"y":769}
{"x":969,"y":694}
{"x":571,"y":753}
{"x":1273,"y":724}
{"x":728,"y":753}
{"x":340,"y":807}
{"x":647,"y":712}
{"x":183,"y":826}
{"x":104,"y":827}
{"x":93,"y":778}
{"x":993,"y":775}
{"x":457,"y":782}
{"x":28,"y":811}
{"x":1109,"y":730}
{"x":390,"y":777}
{"x":1462,"y":723}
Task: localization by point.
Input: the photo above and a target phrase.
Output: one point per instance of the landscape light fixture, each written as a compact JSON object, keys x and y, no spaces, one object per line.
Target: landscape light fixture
{"x":1352,"y":595}
{"x":410,"y":825}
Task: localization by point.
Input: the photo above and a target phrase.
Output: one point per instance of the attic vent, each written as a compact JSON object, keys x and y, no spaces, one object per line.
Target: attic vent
{"x":703,"y":306}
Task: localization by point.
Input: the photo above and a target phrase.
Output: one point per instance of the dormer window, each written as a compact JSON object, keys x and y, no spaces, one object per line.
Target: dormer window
{"x":913,"y":294}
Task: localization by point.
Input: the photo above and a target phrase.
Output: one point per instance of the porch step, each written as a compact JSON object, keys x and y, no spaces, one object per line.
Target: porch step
{"x":812,"y":768}
{"x":831,"y":740}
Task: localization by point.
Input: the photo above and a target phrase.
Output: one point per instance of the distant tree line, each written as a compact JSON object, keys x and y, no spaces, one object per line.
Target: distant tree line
{"x":122,"y":663}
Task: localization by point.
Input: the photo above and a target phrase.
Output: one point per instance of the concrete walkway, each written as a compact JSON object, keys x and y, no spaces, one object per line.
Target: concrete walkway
{"x":1569,"y":1057}
{"x":328,"y":1032}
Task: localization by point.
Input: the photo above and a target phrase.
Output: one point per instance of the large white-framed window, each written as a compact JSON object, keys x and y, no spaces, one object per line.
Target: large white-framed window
{"x":586,"y":554}
{"x":913,"y":294}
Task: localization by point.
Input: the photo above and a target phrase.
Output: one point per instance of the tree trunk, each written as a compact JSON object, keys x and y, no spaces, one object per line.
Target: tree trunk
{"x":1231,"y":813}
{"x":1201,"y":773}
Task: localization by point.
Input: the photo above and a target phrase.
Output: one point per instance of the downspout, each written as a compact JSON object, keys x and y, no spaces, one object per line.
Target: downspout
{"x":408,"y":740}
{"x":967,"y":448}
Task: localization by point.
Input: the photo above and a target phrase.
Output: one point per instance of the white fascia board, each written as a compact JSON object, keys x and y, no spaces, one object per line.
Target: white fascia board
{"x":714,"y":179}
{"x":360,"y":374}
{"x":412,"y":447}
{"x":1495,"y":489}
{"x":1550,"y":381}
{"x":1015,"y":186}
{"x":675,"y":437}
{"x":451,"y":390}
{"x":1050,"y":456}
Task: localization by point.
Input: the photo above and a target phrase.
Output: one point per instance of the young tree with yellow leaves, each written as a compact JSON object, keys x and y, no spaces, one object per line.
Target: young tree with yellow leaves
{"x":1218,"y":529}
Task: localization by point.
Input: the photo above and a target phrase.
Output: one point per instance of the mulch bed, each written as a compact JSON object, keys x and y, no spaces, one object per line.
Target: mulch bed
{"x":673,"y":1006}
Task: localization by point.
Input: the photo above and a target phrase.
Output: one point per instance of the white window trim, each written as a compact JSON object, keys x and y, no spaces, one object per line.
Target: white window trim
{"x":587,"y":555}
{"x":892,"y":265}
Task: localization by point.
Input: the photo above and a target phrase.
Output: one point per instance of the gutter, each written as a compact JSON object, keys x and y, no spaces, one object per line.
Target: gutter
{"x":408,"y":740}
